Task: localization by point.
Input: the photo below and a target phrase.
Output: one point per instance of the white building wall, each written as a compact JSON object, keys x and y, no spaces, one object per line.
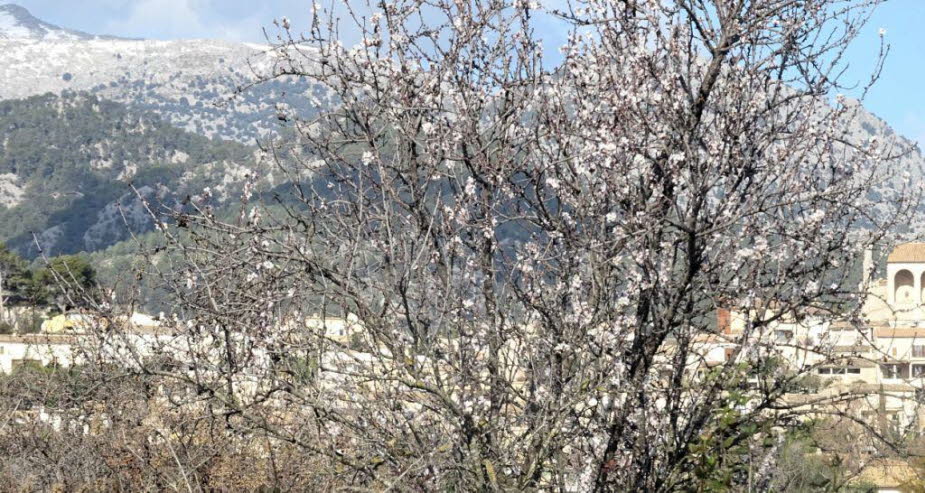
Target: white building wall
{"x":12,"y":352}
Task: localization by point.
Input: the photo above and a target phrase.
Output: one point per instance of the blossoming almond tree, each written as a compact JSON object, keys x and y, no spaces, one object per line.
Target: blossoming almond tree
{"x":489,"y":269}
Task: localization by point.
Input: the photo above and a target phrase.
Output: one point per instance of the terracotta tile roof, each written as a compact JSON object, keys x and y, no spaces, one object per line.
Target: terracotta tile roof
{"x":908,"y":252}
{"x":855,"y":362}
{"x":860,"y":363}
{"x":38,"y":339}
{"x":852,"y":349}
{"x":856,"y":390}
{"x":888,"y":332}
{"x":872,"y":388}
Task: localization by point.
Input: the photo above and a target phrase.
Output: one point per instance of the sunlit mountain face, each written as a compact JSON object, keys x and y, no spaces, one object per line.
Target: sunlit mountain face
{"x":192,"y":84}
{"x":18,"y":23}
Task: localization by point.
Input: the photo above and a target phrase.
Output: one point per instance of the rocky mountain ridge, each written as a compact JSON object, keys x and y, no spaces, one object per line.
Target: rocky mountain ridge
{"x":72,"y":192}
{"x":82,"y":116}
{"x":18,"y":23}
{"x":193,"y":84}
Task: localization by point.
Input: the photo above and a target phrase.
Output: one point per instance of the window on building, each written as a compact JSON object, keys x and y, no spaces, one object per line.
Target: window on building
{"x":903,"y":285}
{"x":854,"y":371}
{"x":918,"y":351}
{"x":782,"y":335}
{"x":824,"y":371}
{"x":918,"y":371}
{"x":890,"y":371}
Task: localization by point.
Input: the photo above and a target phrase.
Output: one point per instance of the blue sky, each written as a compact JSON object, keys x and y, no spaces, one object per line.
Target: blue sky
{"x":898,"y":97}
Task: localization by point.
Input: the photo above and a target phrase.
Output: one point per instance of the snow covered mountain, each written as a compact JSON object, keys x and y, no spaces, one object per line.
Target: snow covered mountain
{"x":83,"y":115}
{"x":70,"y":197}
{"x":190,"y":83}
{"x":17,"y":23}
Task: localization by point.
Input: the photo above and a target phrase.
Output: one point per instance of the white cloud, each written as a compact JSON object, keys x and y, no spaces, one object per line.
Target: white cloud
{"x":177,"y":19}
{"x":235,"y":20}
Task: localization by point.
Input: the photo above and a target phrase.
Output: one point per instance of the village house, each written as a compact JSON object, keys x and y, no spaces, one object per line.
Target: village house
{"x":871,"y":368}
{"x":56,"y":345}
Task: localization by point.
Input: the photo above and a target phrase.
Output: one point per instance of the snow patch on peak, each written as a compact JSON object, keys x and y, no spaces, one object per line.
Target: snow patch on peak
{"x":18,"y":23}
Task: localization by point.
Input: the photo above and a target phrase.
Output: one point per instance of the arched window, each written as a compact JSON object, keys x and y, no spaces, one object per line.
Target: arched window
{"x":903,"y":285}
{"x":922,"y":292}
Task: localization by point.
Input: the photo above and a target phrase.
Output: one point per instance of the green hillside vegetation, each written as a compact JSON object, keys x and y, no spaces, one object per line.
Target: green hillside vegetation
{"x":119,"y":265}
{"x":41,"y":283}
{"x":73,"y":156}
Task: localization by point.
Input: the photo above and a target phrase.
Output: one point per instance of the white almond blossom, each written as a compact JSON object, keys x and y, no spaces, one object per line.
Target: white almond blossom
{"x":536,"y":262}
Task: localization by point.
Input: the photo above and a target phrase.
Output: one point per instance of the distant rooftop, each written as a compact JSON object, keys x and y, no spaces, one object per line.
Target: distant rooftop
{"x":908,"y":252}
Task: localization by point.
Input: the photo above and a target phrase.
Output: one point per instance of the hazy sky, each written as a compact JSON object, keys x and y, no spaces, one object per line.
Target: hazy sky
{"x":167,"y":19}
{"x":897,"y":98}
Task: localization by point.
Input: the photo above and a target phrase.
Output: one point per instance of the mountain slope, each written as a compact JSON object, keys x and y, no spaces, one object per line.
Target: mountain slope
{"x":17,"y":23}
{"x":191,"y":84}
{"x":66,"y":164}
